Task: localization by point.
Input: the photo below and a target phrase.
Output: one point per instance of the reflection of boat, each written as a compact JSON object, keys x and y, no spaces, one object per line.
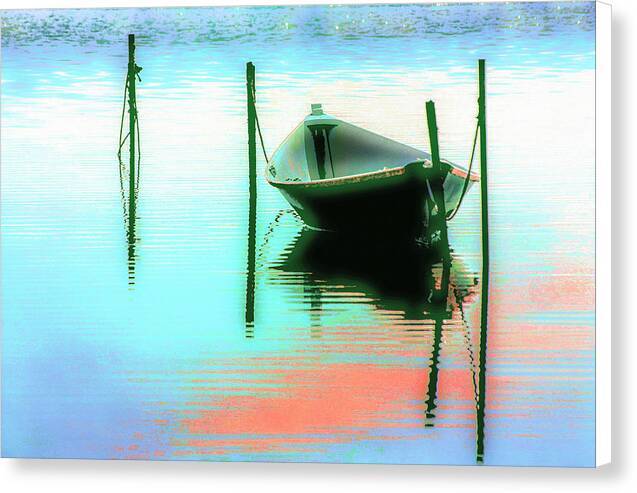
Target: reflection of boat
{"x":340,"y":177}
{"x":397,"y":276}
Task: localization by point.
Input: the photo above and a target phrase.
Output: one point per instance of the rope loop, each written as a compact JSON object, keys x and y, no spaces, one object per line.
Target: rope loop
{"x":122,"y":141}
{"x":465,"y":186}
{"x":256,"y":117}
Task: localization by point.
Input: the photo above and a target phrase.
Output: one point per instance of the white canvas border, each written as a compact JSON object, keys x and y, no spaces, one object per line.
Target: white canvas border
{"x":603,"y":149}
{"x":603,"y":215}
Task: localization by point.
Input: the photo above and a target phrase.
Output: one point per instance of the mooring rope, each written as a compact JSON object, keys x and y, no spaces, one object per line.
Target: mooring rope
{"x":121,"y":123}
{"x":119,"y":151}
{"x":123,"y":141}
{"x":432,"y":198}
{"x":256,"y":117}
{"x":121,"y":187}
{"x":139,"y":151}
{"x":468,"y":177}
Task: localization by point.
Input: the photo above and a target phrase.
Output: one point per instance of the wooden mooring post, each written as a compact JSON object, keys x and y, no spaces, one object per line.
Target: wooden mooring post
{"x":484,"y":307}
{"x":133,"y":175}
{"x":132,"y":120}
{"x":439,"y":240}
{"x":252,"y":190}
{"x":438,"y":212}
{"x":252,"y":136}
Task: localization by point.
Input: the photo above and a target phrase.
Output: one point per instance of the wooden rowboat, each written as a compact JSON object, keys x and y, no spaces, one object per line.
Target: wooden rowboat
{"x":343,"y":178}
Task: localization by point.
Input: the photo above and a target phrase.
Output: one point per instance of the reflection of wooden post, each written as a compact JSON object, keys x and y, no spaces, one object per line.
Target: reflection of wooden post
{"x":485,"y":264}
{"x":432,"y":387}
{"x":438,"y":314}
{"x":439,"y":220}
{"x":252,"y":190}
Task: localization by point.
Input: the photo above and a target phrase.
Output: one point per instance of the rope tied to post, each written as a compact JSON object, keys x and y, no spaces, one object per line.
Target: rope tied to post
{"x":122,"y":141}
{"x":256,"y":118}
{"x":467,"y":179}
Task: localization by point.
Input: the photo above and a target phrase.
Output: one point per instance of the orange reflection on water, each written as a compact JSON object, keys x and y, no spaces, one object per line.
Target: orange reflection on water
{"x":328,"y":403}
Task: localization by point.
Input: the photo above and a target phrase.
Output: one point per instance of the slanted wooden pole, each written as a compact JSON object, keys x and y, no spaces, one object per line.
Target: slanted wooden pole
{"x":437,"y":225}
{"x":482,"y":379}
{"x":438,"y":220}
{"x":252,"y":190}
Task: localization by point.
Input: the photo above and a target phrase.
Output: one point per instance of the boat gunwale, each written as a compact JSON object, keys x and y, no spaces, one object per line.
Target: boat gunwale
{"x":370,"y":175}
{"x":362,"y":177}
{"x":460,"y":172}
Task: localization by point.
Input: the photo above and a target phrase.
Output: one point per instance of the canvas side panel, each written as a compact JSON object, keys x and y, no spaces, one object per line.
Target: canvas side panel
{"x":603,"y":233}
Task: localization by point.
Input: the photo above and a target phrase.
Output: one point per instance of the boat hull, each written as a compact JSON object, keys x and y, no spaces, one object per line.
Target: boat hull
{"x":343,"y":178}
{"x":387,"y":203}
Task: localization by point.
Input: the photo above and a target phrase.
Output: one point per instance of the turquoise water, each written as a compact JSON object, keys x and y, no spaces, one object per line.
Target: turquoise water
{"x":141,"y":350}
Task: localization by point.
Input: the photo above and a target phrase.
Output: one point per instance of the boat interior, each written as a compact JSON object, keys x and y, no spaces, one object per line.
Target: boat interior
{"x":323,"y":147}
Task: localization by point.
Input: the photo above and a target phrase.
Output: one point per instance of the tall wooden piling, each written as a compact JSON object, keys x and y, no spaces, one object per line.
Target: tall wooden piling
{"x":482,"y":116}
{"x":482,"y":121}
{"x":438,"y":221}
{"x":252,"y":190}
{"x":132,"y":117}
{"x":252,"y":137}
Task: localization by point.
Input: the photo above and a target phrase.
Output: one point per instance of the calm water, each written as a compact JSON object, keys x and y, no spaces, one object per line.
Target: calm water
{"x":113,"y":350}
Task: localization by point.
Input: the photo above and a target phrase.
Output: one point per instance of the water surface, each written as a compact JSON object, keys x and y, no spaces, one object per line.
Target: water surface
{"x":140,"y":349}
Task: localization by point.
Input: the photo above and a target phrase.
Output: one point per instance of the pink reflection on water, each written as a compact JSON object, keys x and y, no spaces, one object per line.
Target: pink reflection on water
{"x":327,"y":393}
{"x":330,"y":403}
